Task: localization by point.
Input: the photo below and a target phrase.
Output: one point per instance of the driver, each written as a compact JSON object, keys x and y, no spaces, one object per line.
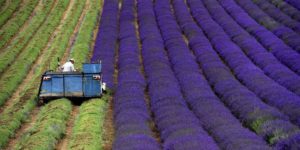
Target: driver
{"x":69,"y":66}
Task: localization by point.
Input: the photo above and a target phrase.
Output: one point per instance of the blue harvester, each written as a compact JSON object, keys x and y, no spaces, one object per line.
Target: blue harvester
{"x":74,"y":85}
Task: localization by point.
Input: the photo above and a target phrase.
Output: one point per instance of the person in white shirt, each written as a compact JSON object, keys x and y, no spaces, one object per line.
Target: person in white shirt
{"x":69,"y":66}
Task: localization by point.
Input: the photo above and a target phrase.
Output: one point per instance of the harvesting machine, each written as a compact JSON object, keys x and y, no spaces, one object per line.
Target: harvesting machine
{"x":73,"y":85}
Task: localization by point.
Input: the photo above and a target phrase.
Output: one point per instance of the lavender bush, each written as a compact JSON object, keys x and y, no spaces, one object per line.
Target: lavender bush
{"x":214,"y":116}
{"x":285,"y":33}
{"x":130,"y":109}
{"x":277,"y":47}
{"x":179,"y":128}
{"x":106,"y":40}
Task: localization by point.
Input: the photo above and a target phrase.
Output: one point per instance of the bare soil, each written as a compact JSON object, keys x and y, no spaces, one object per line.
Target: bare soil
{"x":108,"y":127}
{"x":155,"y":132}
{"x":63,"y":144}
{"x":153,"y":127}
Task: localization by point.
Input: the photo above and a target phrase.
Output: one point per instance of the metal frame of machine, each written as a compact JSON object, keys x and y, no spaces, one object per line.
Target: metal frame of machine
{"x":74,"y":85}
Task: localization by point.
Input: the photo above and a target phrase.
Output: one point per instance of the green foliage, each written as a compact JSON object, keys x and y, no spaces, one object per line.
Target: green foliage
{"x":8,"y":11}
{"x":256,"y":124}
{"x":82,"y":45}
{"x":49,"y":127}
{"x":60,"y":43}
{"x":1,"y":4}
{"x":12,"y":117}
{"x":15,"y":23}
{"x":88,"y":129}
{"x":8,"y":55}
{"x":18,"y":70}
{"x":264,"y":126}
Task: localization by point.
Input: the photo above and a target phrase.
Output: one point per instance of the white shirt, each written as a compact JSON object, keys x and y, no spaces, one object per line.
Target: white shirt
{"x":68,"y":67}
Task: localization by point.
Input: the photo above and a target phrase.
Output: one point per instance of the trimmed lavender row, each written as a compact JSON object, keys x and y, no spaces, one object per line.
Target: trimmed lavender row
{"x":295,"y":3}
{"x":106,"y":40}
{"x":277,"y":47}
{"x":250,"y":75}
{"x":252,"y":48}
{"x":214,"y":116}
{"x":130,"y":110}
{"x":286,"y":34}
{"x":263,"y":119}
{"x":179,"y":128}
{"x":279,"y":16}
{"x":286,"y":8}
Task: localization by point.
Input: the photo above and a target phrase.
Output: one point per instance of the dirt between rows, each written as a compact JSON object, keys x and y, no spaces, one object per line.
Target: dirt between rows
{"x":33,"y":115}
{"x":25,"y":127}
{"x":29,"y":76}
{"x":63,"y":144}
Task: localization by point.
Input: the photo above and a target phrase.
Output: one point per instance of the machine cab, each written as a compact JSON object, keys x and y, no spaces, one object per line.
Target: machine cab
{"x":85,"y":84}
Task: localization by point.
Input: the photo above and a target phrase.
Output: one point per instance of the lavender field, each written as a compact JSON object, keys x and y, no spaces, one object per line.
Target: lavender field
{"x":181,"y":74}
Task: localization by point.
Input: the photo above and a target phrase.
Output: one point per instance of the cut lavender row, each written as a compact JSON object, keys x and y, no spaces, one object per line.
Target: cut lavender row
{"x":272,"y":93}
{"x":106,"y":40}
{"x":278,"y":48}
{"x":286,"y":8}
{"x":131,"y":115}
{"x":243,"y":103}
{"x":178,"y":126}
{"x":258,"y":54}
{"x":214,"y":116}
{"x":279,"y":16}
{"x":285,"y":33}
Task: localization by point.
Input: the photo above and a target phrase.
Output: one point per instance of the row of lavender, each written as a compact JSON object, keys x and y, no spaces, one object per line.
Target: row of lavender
{"x":286,"y":8}
{"x":254,"y":50}
{"x":295,"y":3}
{"x":215,"y":117}
{"x":280,"y":30}
{"x":248,"y":107}
{"x":179,"y":128}
{"x":278,"y":48}
{"x":254,"y":78}
{"x":278,"y":15}
{"x":131,"y":115}
{"x":106,"y":40}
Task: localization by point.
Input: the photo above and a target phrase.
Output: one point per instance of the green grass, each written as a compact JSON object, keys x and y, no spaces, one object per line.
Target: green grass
{"x":89,"y":124}
{"x":15,"y":23}
{"x":267,"y":126}
{"x":60,"y":44}
{"x":18,"y":70}
{"x":12,"y":117}
{"x":8,"y":11}
{"x":2,"y":3}
{"x":49,"y":127}
{"x":9,"y":54}
{"x":83,"y":43}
